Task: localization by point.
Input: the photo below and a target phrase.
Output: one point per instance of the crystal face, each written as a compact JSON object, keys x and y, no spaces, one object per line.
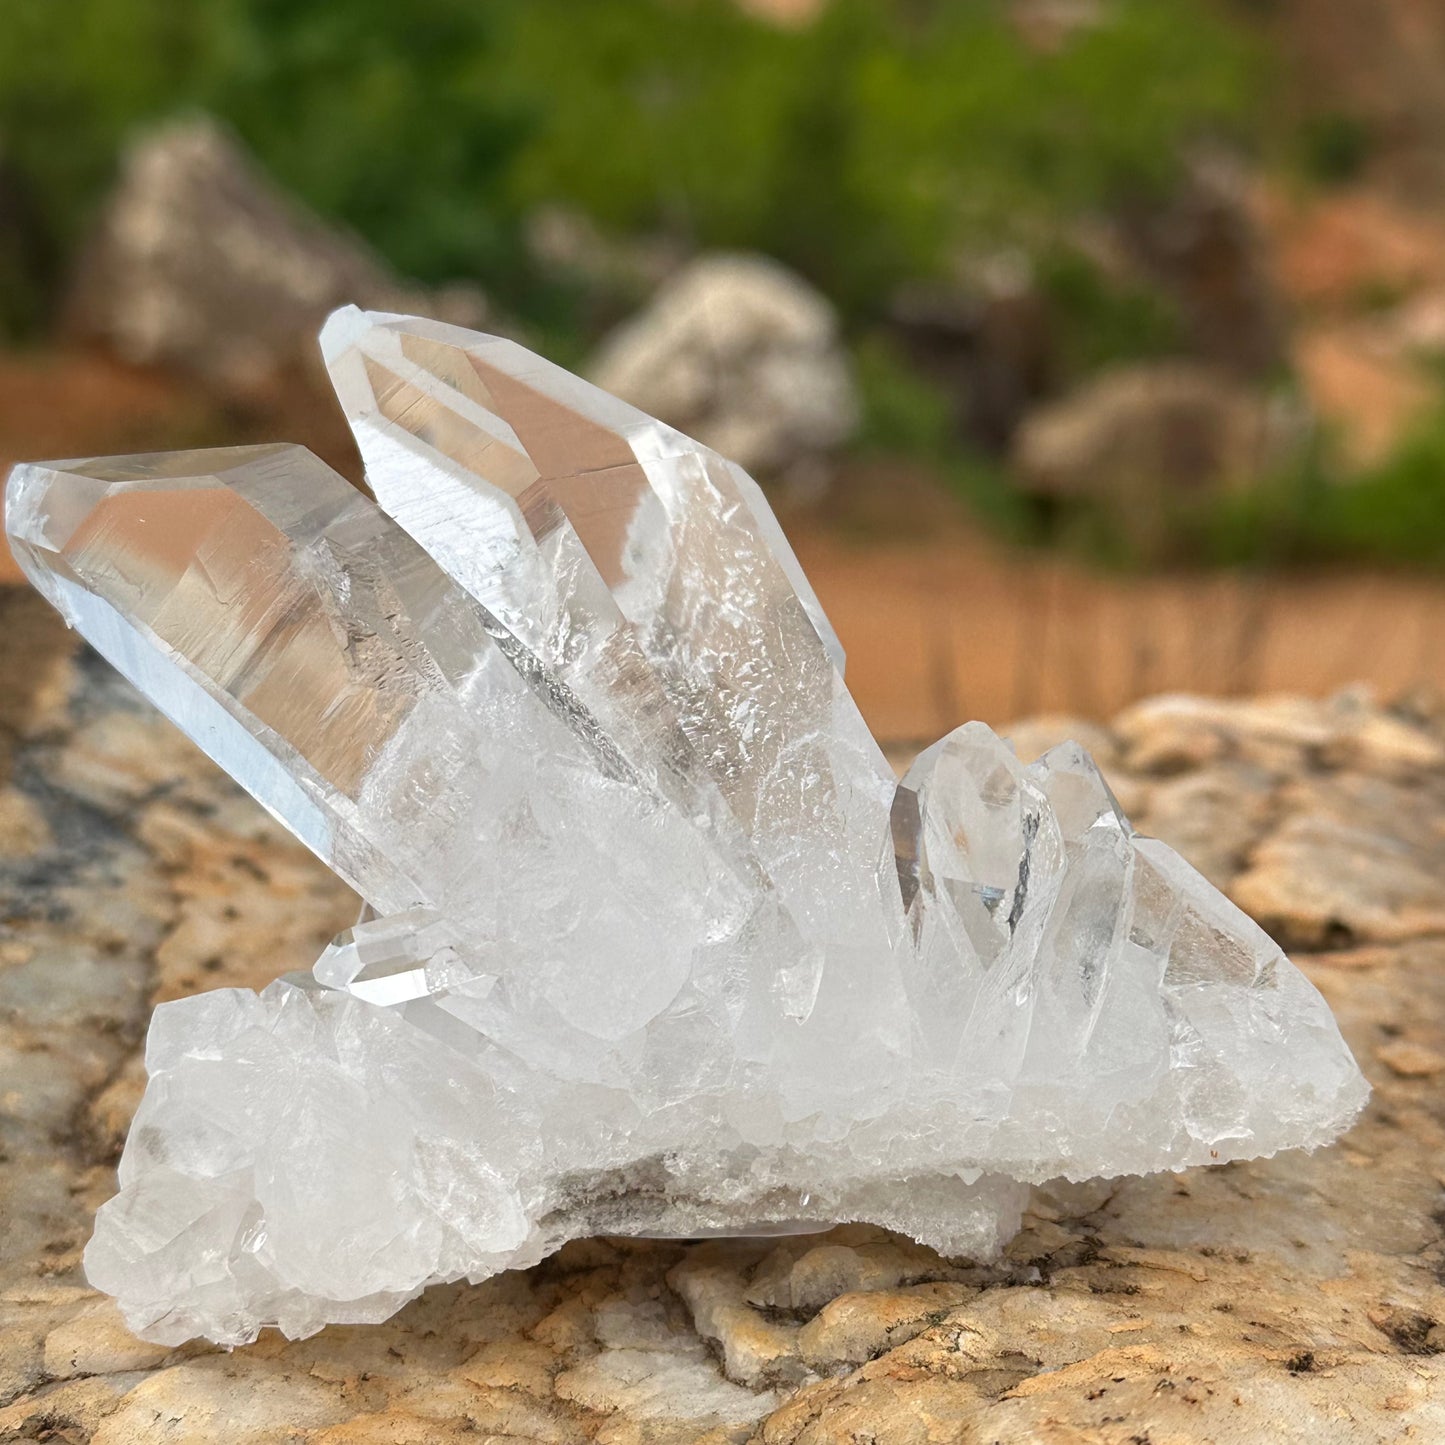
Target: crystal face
{"x":657,"y":943}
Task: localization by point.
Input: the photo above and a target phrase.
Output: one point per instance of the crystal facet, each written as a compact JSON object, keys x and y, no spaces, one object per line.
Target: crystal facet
{"x":658,"y":944}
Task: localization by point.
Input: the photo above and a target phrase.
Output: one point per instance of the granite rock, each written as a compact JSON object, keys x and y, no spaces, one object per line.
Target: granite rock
{"x":1143,"y":440}
{"x":201,"y":264}
{"x":742,"y":354}
{"x":1298,"y":1298}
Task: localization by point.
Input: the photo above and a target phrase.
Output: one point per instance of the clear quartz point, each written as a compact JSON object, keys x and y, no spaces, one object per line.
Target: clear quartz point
{"x":393,"y":960}
{"x":654,"y":943}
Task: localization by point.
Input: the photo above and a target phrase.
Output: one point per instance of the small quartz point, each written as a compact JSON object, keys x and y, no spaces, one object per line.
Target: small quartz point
{"x":655,"y":943}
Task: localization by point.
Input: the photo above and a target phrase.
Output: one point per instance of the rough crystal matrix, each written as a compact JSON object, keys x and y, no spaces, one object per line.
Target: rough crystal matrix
{"x":656,"y":943}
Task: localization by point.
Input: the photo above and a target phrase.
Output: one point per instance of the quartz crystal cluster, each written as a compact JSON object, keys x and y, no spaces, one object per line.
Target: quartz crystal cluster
{"x":655,"y":942}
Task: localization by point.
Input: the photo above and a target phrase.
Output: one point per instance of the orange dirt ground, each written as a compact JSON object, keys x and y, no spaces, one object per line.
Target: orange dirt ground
{"x":959,"y":627}
{"x":939,"y":628}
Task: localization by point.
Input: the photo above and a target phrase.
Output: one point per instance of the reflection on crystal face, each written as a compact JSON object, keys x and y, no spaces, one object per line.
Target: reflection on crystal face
{"x":590,"y":531}
{"x":660,"y":945}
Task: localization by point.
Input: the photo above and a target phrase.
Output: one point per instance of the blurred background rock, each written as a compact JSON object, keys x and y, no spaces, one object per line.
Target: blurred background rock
{"x":1090,"y":347}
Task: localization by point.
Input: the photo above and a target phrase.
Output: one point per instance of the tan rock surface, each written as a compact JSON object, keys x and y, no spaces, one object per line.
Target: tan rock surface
{"x":1300,"y":1298}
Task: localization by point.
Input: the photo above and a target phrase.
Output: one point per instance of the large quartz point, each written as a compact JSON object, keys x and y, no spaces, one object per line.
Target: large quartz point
{"x":655,"y":944}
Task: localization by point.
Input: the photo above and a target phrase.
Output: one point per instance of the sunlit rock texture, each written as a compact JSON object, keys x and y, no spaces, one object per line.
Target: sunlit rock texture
{"x":655,"y":942}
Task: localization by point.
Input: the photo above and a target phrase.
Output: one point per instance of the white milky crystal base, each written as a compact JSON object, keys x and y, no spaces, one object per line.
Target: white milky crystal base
{"x":305,"y":1158}
{"x":661,"y":945}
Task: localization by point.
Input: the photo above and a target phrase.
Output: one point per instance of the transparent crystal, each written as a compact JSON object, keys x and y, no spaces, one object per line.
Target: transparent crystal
{"x":660,"y":946}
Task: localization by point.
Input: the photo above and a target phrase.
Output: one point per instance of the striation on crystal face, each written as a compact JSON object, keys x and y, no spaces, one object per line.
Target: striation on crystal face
{"x":658,"y":945}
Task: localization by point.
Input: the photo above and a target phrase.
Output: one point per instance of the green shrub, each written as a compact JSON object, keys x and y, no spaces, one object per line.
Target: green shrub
{"x":869,"y":146}
{"x":1396,"y":511}
{"x":380,"y":115}
{"x":1391,"y":513}
{"x":1333,"y":148}
{"x":864,"y":149}
{"x":1101,"y":320}
{"x":76,"y":78}
{"x":906,"y":415}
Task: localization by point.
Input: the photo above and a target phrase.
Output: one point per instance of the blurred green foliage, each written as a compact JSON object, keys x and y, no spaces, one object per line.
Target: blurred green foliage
{"x":904,"y":414}
{"x":1392,"y":512}
{"x":377,"y":113}
{"x":870,"y":146}
{"x":73,"y":80}
{"x":1105,"y":319}
{"x":383,"y":114}
{"x":1333,"y":148}
{"x":1396,"y":511}
{"x":1317,"y":509}
{"x":863,"y":149}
